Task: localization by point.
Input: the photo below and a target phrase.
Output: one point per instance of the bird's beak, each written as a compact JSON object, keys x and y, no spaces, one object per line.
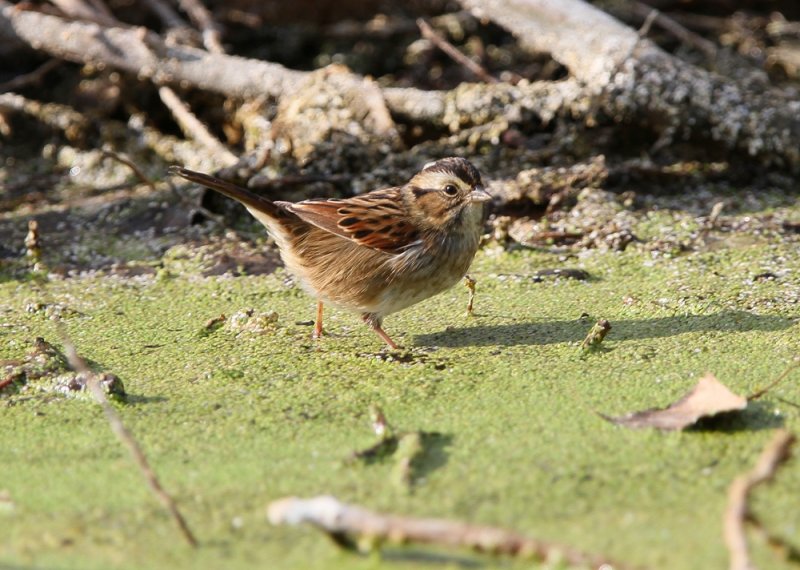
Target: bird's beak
{"x":478,"y":194}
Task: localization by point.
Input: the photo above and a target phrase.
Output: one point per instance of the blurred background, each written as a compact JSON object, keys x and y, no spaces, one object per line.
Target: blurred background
{"x":99,"y":97}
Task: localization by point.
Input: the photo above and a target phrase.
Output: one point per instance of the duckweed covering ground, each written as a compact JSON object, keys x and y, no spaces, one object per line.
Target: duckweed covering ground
{"x":233,"y":419}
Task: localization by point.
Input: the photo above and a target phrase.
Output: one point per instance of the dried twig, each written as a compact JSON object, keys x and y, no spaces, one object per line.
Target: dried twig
{"x":192,"y":127}
{"x":73,"y":124}
{"x":33,"y":78}
{"x":675,"y":28}
{"x":130,"y":164}
{"x":174,"y":189}
{"x":93,"y":380}
{"x":90,"y":11}
{"x":202,"y":18}
{"x":148,"y":56}
{"x":431,"y":35}
{"x":166,"y":13}
{"x":596,"y":335}
{"x":347,"y":523}
{"x":33,"y":247}
{"x":124,"y":435}
{"x":781,"y":377}
{"x":774,"y":454}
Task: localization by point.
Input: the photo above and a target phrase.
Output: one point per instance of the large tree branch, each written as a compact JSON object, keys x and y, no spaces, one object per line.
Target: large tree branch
{"x":147,"y":55}
{"x":637,"y":81}
{"x":614,"y":71}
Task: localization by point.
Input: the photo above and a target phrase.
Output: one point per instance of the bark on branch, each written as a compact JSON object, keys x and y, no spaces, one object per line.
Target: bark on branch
{"x":613,"y":71}
{"x":634,"y":80}
{"x":347,"y":523}
{"x":147,"y":55}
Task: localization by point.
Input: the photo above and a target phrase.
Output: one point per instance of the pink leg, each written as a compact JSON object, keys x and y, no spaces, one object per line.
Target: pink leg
{"x":318,"y":323}
{"x":374,"y":322}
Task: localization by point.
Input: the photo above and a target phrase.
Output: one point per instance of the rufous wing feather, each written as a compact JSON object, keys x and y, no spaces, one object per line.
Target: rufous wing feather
{"x":376,"y":220}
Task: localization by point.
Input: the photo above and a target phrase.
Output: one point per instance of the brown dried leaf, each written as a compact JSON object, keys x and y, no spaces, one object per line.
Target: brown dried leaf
{"x":708,"y":398}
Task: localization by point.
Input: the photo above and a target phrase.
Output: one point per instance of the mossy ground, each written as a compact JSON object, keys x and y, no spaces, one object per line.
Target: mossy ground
{"x":232,"y":422}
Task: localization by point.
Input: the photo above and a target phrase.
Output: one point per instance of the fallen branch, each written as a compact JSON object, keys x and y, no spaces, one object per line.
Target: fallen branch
{"x":146,"y":55}
{"x":736,"y":515}
{"x":613,"y":69}
{"x":632,"y":79}
{"x":781,"y":377}
{"x":202,"y":18}
{"x":35,"y":77}
{"x":54,"y":115}
{"x":675,"y":28}
{"x":93,"y":384}
{"x":431,"y":35}
{"x":126,"y":437}
{"x":344,"y":523}
{"x":193,"y":128}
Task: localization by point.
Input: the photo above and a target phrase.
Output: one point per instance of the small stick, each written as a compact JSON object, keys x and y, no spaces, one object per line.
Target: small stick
{"x":107,"y":153}
{"x":648,"y":22}
{"x":166,"y":14}
{"x":192,"y":127}
{"x":781,"y":377}
{"x":772,"y":457}
{"x":82,"y":11}
{"x":340,"y":520}
{"x":33,"y":78}
{"x":671,"y":25}
{"x":380,"y":425}
{"x":79,"y":365}
{"x":33,"y":249}
{"x":126,"y":437}
{"x":409,"y":448}
{"x":202,"y":18}
{"x":130,"y":164}
{"x":470,"y":283}
{"x":430,"y":34}
{"x":596,"y":335}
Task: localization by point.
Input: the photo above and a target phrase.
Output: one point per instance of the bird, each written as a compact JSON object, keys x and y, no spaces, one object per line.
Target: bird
{"x":379,"y":252}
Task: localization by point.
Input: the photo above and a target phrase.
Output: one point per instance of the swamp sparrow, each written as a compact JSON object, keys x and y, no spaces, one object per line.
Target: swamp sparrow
{"x":379,"y":252}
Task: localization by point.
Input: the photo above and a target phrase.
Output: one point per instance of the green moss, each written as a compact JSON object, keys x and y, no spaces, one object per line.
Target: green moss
{"x":233,"y":419}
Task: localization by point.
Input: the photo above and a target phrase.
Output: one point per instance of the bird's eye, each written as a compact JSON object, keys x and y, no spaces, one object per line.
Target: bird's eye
{"x":450,"y":190}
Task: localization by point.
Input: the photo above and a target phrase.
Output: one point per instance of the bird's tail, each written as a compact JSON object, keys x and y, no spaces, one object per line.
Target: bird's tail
{"x":246,"y":197}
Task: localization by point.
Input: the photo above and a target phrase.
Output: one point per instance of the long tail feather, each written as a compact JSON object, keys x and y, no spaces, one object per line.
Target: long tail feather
{"x":230,"y":190}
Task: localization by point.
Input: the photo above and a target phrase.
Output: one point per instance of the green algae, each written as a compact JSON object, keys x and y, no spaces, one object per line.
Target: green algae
{"x":232,"y":420}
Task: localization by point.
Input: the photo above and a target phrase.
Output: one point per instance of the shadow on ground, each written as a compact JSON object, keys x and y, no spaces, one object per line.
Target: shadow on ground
{"x":554,"y":332}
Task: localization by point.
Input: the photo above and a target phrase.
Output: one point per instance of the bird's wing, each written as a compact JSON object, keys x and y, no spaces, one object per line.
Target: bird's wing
{"x":377,"y":219}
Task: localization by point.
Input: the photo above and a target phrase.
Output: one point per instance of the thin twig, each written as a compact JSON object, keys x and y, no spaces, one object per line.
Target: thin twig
{"x":125,"y":436}
{"x":166,"y":14}
{"x":345,"y":522}
{"x":430,"y":34}
{"x":777,"y":543}
{"x":132,"y":165}
{"x":174,"y":189}
{"x":33,"y":78}
{"x":192,"y":127}
{"x":781,"y":377}
{"x":202,"y":18}
{"x":648,"y":22}
{"x":90,"y":12}
{"x":774,"y":454}
{"x":671,"y":25}
{"x":54,"y":115}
